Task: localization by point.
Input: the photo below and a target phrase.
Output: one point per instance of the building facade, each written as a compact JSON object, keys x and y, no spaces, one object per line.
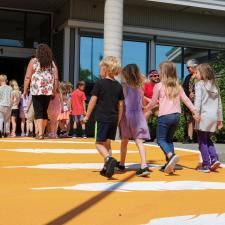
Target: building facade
{"x":81,"y":32}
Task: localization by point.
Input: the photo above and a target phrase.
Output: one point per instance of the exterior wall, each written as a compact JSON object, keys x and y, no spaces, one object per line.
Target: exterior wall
{"x":62,"y":15}
{"x":149,"y":17}
{"x":58,"y":40}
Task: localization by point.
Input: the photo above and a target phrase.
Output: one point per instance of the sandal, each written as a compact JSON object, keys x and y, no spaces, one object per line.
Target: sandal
{"x":39,"y":137}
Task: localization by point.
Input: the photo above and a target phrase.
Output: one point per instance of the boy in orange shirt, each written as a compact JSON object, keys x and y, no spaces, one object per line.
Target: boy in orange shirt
{"x":78,"y":104}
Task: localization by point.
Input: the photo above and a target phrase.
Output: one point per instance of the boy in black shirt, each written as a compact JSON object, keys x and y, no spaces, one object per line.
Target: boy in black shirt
{"x":107,"y":96}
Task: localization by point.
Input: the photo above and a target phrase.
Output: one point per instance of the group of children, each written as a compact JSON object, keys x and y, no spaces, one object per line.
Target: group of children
{"x":123,"y":106}
{"x":64,"y":106}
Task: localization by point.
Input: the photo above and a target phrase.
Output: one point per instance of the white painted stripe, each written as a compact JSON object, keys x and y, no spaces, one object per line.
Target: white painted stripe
{"x":205,"y":219}
{"x":45,"y":141}
{"x":156,"y":146}
{"x":61,"y":151}
{"x":143,"y":186}
{"x":71,"y":166}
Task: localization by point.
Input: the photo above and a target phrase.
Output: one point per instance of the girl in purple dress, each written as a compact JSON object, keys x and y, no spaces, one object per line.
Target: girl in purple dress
{"x":133,"y":124}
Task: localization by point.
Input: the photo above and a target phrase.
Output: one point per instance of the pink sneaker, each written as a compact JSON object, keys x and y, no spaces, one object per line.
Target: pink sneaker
{"x":215,"y":166}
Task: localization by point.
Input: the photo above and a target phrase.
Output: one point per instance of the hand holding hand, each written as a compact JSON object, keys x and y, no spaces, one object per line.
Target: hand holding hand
{"x":25,"y":93}
{"x":219,"y":125}
{"x":196,"y":116}
{"x":85,"y":119}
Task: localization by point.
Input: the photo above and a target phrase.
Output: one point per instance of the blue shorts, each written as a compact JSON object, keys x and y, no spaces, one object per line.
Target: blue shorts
{"x":106,"y":131}
{"x":78,"y":118}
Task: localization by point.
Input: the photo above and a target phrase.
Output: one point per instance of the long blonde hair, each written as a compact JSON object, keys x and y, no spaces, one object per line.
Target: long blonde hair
{"x":132,"y":75}
{"x":169,"y":79}
{"x":14,"y":85}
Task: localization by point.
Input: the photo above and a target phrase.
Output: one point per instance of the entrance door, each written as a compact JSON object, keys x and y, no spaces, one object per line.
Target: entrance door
{"x":13,"y":62}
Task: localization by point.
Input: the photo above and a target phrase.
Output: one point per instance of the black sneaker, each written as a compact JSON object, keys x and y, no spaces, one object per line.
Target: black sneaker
{"x":102,"y":172}
{"x":143,"y":172}
{"x":170,"y":166}
{"x":109,"y":167}
{"x":188,"y":141}
{"x":120,"y":168}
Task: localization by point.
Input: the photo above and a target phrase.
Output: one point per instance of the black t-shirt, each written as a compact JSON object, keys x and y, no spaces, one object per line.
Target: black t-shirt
{"x":109,"y":93}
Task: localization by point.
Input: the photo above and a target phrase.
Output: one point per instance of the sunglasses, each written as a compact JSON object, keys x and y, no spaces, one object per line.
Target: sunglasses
{"x":155,"y":76}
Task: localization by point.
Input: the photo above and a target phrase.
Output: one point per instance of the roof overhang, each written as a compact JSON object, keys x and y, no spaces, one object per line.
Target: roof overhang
{"x":205,"y":4}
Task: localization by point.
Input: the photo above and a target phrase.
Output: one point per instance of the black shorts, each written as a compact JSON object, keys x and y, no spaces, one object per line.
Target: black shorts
{"x":40,"y":104}
{"x":15,"y":113}
{"x":106,"y":131}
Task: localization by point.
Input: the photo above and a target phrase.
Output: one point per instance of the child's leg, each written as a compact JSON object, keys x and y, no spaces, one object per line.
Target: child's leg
{"x":162,"y":134}
{"x":212,"y":151}
{"x":22,"y":125}
{"x":103,"y":151}
{"x":83,"y":126}
{"x":13,"y":120}
{"x":203,"y":147}
{"x":142,"y":152}
{"x":75,"y":126}
{"x":7,"y":116}
{"x":56,"y":128}
{"x":171,"y":132}
{"x":123,"y":151}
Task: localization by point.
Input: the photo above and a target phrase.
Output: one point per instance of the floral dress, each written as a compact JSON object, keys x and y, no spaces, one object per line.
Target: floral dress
{"x":42,"y":81}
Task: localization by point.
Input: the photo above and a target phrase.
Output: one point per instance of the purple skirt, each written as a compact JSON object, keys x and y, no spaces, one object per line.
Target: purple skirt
{"x":133,"y":125}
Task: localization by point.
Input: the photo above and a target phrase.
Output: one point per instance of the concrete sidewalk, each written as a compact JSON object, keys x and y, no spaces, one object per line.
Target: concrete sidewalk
{"x":219,"y":147}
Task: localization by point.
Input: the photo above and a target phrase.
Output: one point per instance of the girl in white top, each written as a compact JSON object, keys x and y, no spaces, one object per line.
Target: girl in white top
{"x":16,"y":95}
{"x":208,"y":104}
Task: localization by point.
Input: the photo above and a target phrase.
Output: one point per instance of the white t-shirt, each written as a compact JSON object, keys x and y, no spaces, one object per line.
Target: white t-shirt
{"x":5,"y":95}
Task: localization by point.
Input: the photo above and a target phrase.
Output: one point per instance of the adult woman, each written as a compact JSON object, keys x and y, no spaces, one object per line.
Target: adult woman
{"x":42,"y":75}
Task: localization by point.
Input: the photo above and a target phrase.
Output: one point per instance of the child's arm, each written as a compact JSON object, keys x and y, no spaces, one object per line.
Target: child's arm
{"x":120,"y":110}
{"x":56,"y":78}
{"x":191,"y":107}
{"x":220,"y":115}
{"x":91,"y":107}
{"x":154,"y":101}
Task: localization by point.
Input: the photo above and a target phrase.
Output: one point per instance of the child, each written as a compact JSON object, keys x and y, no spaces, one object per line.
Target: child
{"x":54,"y":110}
{"x":108,"y":97}
{"x":16,"y":95}
{"x":169,"y":93}
{"x":133,"y":124}
{"x":5,"y":106}
{"x":208,"y":104}
{"x":78,"y":104}
{"x":24,"y":101}
{"x":31,"y":122}
{"x":64,"y":116}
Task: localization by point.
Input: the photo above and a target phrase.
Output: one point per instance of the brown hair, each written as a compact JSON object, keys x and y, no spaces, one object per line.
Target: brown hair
{"x":44,"y":56}
{"x":132,"y":75}
{"x":80,"y":83}
{"x":207,"y":73}
{"x":168,"y":77}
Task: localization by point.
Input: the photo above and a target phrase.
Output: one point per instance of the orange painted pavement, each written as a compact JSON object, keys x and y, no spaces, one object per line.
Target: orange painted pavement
{"x":20,"y":205}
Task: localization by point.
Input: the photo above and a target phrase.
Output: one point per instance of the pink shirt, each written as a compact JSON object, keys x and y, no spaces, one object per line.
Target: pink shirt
{"x":166,"y":105}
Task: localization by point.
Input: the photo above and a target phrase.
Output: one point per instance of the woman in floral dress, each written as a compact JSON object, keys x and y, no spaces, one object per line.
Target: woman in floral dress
{"x":42,"y":76}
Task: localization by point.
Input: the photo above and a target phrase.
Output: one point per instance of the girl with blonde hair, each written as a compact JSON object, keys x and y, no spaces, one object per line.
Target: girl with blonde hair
{"x":169,"y":93}
{"x":16,"y":95}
